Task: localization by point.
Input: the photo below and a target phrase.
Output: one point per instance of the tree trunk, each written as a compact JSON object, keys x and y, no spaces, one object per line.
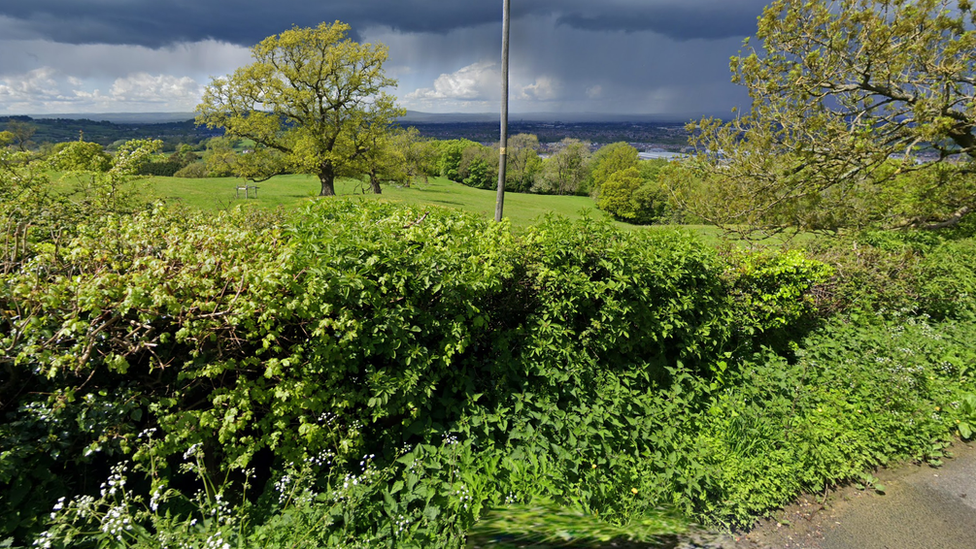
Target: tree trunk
{"x":328,"y":184}
{"x":375,"y":183}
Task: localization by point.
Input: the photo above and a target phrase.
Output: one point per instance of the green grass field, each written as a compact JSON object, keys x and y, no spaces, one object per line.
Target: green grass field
{"x":291,"y":190}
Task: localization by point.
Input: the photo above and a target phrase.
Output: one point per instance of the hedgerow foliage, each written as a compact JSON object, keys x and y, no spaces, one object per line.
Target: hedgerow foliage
{"x":351,"y":329}
{"x":367,"y":374}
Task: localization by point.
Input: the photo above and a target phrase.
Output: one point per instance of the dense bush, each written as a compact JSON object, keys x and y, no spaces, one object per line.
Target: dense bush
{"x":947,"y":279}
{"x":629,"y":197}
{"x":370,"y":375}
{"x":170,"y":165}
{"x":449,"y":157}
{"x":195,"y":170}
{"x":861,"y":393}
{"x":921,"y":271}
{"x":774,"y":293}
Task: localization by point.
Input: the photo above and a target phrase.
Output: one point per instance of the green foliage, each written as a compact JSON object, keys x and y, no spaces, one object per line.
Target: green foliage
{"x":391,"y":374}
{"x":861,"y":393}
{"x":617,"y":193}
{"x":479,"y":166}
{"x":170,"y":165}
{"x":628,"y":196}
{"x":836,"y":134}
{"x":524,"y":163}
{"x":772,"y":290}
{"x":449,"y":157}
{"x":966,"y":423}
{"x":610,"y":159}
{"x":479,"y":174}
{"x":110,"y":187}
{"x":947,"y":283}
{"x":195,"y":170}
{"x":221,"y":156}
{"x":80,"y":156}
{"x":626,"y":299}
{"x":566,"y":171}
{"x":920,"y":271}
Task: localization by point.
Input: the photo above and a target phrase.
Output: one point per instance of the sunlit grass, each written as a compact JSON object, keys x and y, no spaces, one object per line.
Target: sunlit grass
{"x":291,"y":191}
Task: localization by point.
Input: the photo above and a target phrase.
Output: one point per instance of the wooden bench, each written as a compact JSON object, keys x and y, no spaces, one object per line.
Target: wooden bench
{"x":247,"y":190}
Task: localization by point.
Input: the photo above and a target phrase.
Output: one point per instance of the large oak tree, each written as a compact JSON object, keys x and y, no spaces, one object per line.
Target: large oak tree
{"x":863,"y":114}
{"x":312,"y":101}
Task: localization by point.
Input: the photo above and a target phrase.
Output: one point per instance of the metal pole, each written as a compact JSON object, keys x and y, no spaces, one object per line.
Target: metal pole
{"x":503,"y":143}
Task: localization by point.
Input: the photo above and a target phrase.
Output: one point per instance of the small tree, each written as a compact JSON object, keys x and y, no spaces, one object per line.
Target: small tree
{"x":419,"y":154}
{"x":21,"y":134}
{"x":311,"y":101}
{"x":609,"y":160}
{"x":524,"y":163}
{"x":104,"y":183}
{"x":846,"y":97}
{"x":479,"y":166}
{"x":398,"y":156}
{"x":566,"y":171}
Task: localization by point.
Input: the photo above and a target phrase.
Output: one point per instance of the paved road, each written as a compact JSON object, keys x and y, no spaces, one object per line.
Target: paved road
{"x":922,"y":508}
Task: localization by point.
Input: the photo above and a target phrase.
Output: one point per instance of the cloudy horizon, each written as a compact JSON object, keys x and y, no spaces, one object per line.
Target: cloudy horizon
{"x":620,"y":57}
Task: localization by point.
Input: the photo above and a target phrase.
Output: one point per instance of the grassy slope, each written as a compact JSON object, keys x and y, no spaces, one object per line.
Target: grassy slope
{"x":291,"y":190}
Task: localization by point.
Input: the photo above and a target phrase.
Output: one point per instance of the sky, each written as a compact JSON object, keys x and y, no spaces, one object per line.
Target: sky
{"x":668,"y":57}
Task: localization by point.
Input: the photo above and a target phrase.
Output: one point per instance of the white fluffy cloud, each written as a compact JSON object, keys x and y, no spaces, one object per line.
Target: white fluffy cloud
{"x":166,"y":89}
{"x":47,"y":90}
{"x":471,"y":83}
{"x":110,"y":78}
{"x":545,"y":88}
{"x":38,"y":83}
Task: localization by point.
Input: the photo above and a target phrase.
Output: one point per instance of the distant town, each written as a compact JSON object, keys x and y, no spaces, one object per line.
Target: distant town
{"x":655,"y":139}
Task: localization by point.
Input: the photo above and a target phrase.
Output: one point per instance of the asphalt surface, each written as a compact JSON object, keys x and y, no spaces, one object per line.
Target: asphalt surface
{"x":922,"y":507}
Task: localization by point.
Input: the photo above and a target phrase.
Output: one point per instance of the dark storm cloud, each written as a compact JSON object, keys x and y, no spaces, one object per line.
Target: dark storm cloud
{"x":157,"y":23}
{"x":678,"y":23}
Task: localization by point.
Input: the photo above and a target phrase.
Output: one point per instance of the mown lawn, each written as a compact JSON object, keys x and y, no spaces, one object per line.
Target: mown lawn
{"x":292,"y":190}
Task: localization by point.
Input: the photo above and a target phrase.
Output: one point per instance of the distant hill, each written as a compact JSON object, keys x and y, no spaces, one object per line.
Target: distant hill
{"x":104,"y":132}
{"x":121,"y":117}
{"x":415,"y":117}
{"x":412,"y":117}
{"x":644,"y":131}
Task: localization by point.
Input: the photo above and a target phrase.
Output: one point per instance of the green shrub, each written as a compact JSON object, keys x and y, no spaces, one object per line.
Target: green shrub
{"x":617,"y":191}
{"x":947,"y":281}
{"x":922,"y":271}
{"x":195,"y":170}
{"x":773,"y":292}
{"x":473,"y":365}
{"x":628,"y":196}
{"x":862,"y":393}
{"x":869,"y":277}
{"x":629,"y":300}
